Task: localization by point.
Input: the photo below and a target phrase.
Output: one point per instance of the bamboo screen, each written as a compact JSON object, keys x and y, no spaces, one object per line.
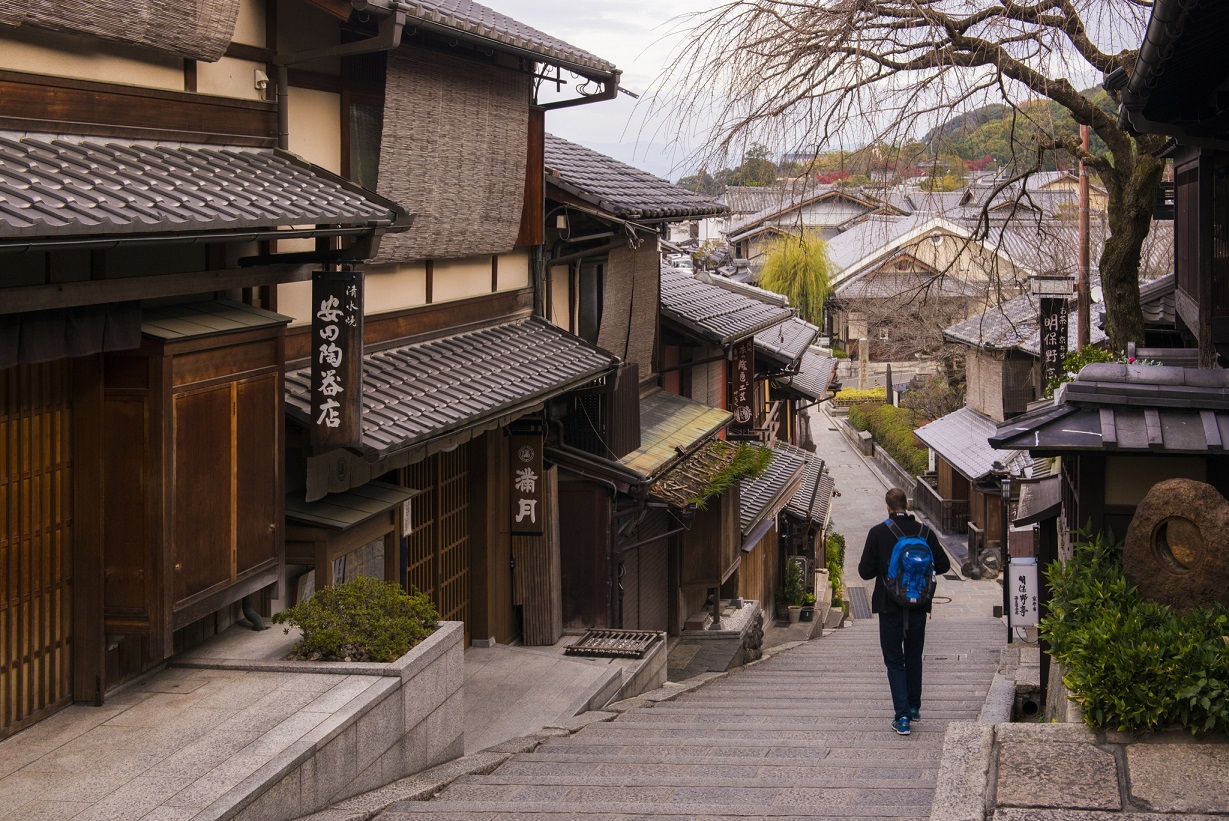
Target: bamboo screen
{"x":453,"y":152}
{"x":197,"y":29}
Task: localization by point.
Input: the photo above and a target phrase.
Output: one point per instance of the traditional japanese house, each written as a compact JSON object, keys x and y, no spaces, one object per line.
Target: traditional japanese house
{"x":170,"y":251}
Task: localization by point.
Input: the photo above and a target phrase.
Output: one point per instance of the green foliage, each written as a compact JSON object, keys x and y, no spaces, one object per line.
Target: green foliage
{"x":1133,"y":664}
{"x":858,"y":396}
{"x":799,"y":268}
{"x":892,"y":429}
{"x":756,"y":170}
{"x":361,"y":620}
{"x":1075,"y":362}
{"x":749,"y":460}
{"x":834,"y":560}
{"x":840,"y":353}
{"x":794,"y":586}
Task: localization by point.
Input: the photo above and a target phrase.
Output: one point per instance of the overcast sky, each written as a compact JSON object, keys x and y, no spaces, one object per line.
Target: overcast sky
{"x":632,"y":34}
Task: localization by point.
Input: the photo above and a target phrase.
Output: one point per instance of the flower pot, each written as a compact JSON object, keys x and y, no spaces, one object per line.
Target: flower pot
{"x":807,"y":614}
{"x":795,"y":613}
{"x":782,"y":613}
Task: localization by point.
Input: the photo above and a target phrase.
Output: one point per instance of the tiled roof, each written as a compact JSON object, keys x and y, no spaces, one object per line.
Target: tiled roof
{"x":714,"y":313}
{"x":669,"y":425}
{"x":764,"y":496}
{"x":815,"y":374}
{"x":56,"y":185}
{"x":1016,"y":324}
{"x":474,"y":20}
{"x":813,"y":498}
{"x":755,"y":292}
{"x":786,"y":341}
{"x":190,"y":320}
{"x":420,"y":391}
{"x":961,"y":438}
{"x":793,"y":199}
{"x":909,"y":285}
{"x":618,"y":188}
{"x":1128,"y":408}
{"x":1157,"y":300}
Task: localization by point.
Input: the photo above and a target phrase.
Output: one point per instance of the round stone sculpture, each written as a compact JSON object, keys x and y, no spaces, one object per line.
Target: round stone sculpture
{"x":1177,"y":547}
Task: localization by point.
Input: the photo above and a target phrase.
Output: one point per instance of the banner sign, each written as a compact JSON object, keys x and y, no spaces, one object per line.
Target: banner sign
{"x":1053,"y":337}
{"x":742,"y":385}
{"x":337,"y":360}
{"x":527,"y":485}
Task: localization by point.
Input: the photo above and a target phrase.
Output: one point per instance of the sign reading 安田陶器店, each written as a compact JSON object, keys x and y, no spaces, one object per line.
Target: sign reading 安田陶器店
{"x":528,"y":485}
{"x":336,"y":360}
{"x":742,"y":385}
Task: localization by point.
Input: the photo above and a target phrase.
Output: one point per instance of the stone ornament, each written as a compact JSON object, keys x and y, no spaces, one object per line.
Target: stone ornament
{"x":1174,"y":550}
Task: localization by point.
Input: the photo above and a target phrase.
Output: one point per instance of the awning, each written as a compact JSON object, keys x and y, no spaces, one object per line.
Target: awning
{"x":319,"y":533}
{"x":815,"y":374}
{"x":1039,"y":501}
{"x":342,"y":511}
{"x":714,"y":313}
{"x":671,"y":427}
{"x":687,"y":481}
{"x":813,"y":499}
{"x":762,"y":498}
{"x":962,"y":439}
{"x":66,"y":190}
{"x":434,"y":395}
{"x":785,"y":342}
{"x":1128,"y":409}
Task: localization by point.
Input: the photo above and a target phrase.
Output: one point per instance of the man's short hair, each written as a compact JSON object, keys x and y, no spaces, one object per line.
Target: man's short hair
{"x":897,"y":501}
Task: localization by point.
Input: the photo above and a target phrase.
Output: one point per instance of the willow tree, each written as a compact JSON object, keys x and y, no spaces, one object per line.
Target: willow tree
{"x":798,"y":267}
{"x":837,"y":73}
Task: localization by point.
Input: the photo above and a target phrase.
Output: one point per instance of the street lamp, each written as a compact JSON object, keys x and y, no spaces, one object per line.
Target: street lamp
{"x":1005,"y":488}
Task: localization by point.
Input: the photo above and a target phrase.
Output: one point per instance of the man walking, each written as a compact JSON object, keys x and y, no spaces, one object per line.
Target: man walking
{"x":902,"y":629}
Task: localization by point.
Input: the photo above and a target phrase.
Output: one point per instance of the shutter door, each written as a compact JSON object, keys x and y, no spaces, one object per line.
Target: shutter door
{"x":645,"y":575}
{"x":36,"y":504}
{"x":438,"y":555}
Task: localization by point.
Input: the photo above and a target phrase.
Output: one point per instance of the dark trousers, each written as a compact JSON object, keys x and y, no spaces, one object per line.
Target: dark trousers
{"x":902,"y":655}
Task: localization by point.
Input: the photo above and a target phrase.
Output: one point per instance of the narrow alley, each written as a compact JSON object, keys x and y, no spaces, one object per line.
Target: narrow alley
{"x":803,"y":734}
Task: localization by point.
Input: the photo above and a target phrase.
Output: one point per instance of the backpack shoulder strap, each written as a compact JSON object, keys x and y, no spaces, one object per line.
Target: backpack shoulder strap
{"x":894,"y":528}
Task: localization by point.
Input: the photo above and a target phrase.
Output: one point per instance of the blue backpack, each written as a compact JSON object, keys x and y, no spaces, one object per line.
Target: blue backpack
{"x":911,"y":572}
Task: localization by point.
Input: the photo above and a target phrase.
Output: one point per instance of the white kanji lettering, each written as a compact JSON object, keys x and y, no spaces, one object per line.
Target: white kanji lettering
{"x":331,"y":354}
{"x":329,"y":386}
{"x":526,"y":481}
{"x":328,"y":414}
{"x":330,"y":310}
{"x":528,"y":507}
{"x":330,"y":332}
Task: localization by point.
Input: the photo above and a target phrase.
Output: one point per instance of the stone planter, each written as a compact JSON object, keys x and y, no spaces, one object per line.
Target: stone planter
{"x":409,"y":719}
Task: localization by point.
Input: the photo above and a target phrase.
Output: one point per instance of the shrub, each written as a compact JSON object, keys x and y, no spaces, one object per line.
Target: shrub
{"x":834,"y":560}
{"x":794,"y":586}
{"x":361,"y":620}
{"x":839,"y":353}
{"x":1133,"y":664}
{"x":1075,"y":362}
{"x":892,"y":429}
{"x":847,"y":397}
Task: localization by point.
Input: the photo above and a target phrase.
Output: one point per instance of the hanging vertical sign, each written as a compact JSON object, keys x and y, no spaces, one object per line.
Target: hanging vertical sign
{"x":742,"y":385}
{"x":337,"y":360}
{"x":528,"y":487}
{"x":1053,"y":337}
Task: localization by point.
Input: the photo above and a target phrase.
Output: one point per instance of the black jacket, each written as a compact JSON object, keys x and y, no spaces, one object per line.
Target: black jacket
{"x":877,"y":555}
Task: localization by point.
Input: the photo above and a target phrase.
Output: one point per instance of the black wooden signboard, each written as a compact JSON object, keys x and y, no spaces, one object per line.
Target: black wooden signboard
{"x":337,"y":360}
{"x":1053,"y":337}
{"x":527,"y":485}
{"x":742,"y":385}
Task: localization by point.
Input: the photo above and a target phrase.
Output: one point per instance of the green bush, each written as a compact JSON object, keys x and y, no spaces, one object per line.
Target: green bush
{"x":852,"y":396}
{"x":1133,"y":664}
{"x":1075,"y":362}
{"x":839,"y":353}
{"x":892,"y":429}
{"x":794,"y":586}
{"x":834,"y":560}
{"x":361,"y":620}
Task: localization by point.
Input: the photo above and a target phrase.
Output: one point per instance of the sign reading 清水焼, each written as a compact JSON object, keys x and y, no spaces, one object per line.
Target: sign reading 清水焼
{"x":528,"y":485}
{"x":742,"y":385}
{"x":1053,"y":337}
{"x":336,"y":360}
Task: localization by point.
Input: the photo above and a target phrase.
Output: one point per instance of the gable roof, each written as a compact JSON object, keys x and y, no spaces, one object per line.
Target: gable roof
{"x":765,"y":496}
{"x":473,"y":21}
{"x":962,"y":439}
{"x":618,"y":188}
{"x":798,"y":198}
{"x":785,"y":341}
{"x":714,"y":313}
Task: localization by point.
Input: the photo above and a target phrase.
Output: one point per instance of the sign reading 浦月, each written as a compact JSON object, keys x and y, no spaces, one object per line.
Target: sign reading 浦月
{"x":336,"y":360}
{"x":527,"y":485}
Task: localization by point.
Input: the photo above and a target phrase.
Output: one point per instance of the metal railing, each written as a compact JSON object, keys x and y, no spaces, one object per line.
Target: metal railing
{"x":951,"y":515}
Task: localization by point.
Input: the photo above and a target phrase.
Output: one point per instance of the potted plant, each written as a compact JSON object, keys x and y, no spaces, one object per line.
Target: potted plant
{"x":808,"y":607}
{"x":795,"y":590}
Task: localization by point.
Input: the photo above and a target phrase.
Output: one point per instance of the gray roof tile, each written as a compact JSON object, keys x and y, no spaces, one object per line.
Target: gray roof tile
{"x":621,"y":189}
{"x":416,"y":392}
{"x":763,"y":496}
{"x":55,"y":185}
{"x":961,"y":438}
{"x":715,"y":313}
{"x":809,"y":501}
{"x":815,"y":374}
{"x":786,"y":341}
{"x":468,"y":18}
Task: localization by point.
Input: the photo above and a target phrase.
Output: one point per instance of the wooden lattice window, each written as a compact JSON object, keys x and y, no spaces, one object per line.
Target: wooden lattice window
{"x":438,"y":544}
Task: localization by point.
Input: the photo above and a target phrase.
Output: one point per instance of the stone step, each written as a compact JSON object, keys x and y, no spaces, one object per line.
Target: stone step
{"x":879,"y":771}
{"x":860,"y":759}
{"x":906,"y":779}
{"x":802,"y":806}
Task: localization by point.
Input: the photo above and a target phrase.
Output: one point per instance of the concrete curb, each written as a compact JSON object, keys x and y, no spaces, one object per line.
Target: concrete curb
{"x":964,"y":773}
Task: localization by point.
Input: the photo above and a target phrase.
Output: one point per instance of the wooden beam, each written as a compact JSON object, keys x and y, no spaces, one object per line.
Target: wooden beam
{"x":98,"y":292}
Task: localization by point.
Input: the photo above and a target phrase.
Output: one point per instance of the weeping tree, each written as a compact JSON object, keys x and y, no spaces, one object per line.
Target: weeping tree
{"x":836,"y":73}
{"x":798,"y":267}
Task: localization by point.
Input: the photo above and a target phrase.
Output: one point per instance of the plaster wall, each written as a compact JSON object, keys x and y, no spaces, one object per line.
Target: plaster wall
{"x":57,"y":54}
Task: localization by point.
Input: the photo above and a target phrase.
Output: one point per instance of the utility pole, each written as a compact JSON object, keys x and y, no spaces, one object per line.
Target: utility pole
{"x":1083,"y":320}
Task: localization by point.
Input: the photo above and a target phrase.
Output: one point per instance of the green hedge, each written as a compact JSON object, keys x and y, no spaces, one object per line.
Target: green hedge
{"x":1133,"y":664}
{"x":893,"y":429}
{"x":847,"y":397}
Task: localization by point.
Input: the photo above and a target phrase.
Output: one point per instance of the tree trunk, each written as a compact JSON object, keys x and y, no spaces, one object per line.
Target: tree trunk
{"x":1131,"y":202}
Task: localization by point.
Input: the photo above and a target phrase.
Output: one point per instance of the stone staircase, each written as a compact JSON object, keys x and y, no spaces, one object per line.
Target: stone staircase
{"x":804,"y":734}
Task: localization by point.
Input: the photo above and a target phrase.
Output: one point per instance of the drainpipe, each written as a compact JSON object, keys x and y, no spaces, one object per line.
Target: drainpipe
{"x":283,"y":109}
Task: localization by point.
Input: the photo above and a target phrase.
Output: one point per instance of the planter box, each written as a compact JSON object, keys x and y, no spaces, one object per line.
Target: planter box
{"x":411,"y":719}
